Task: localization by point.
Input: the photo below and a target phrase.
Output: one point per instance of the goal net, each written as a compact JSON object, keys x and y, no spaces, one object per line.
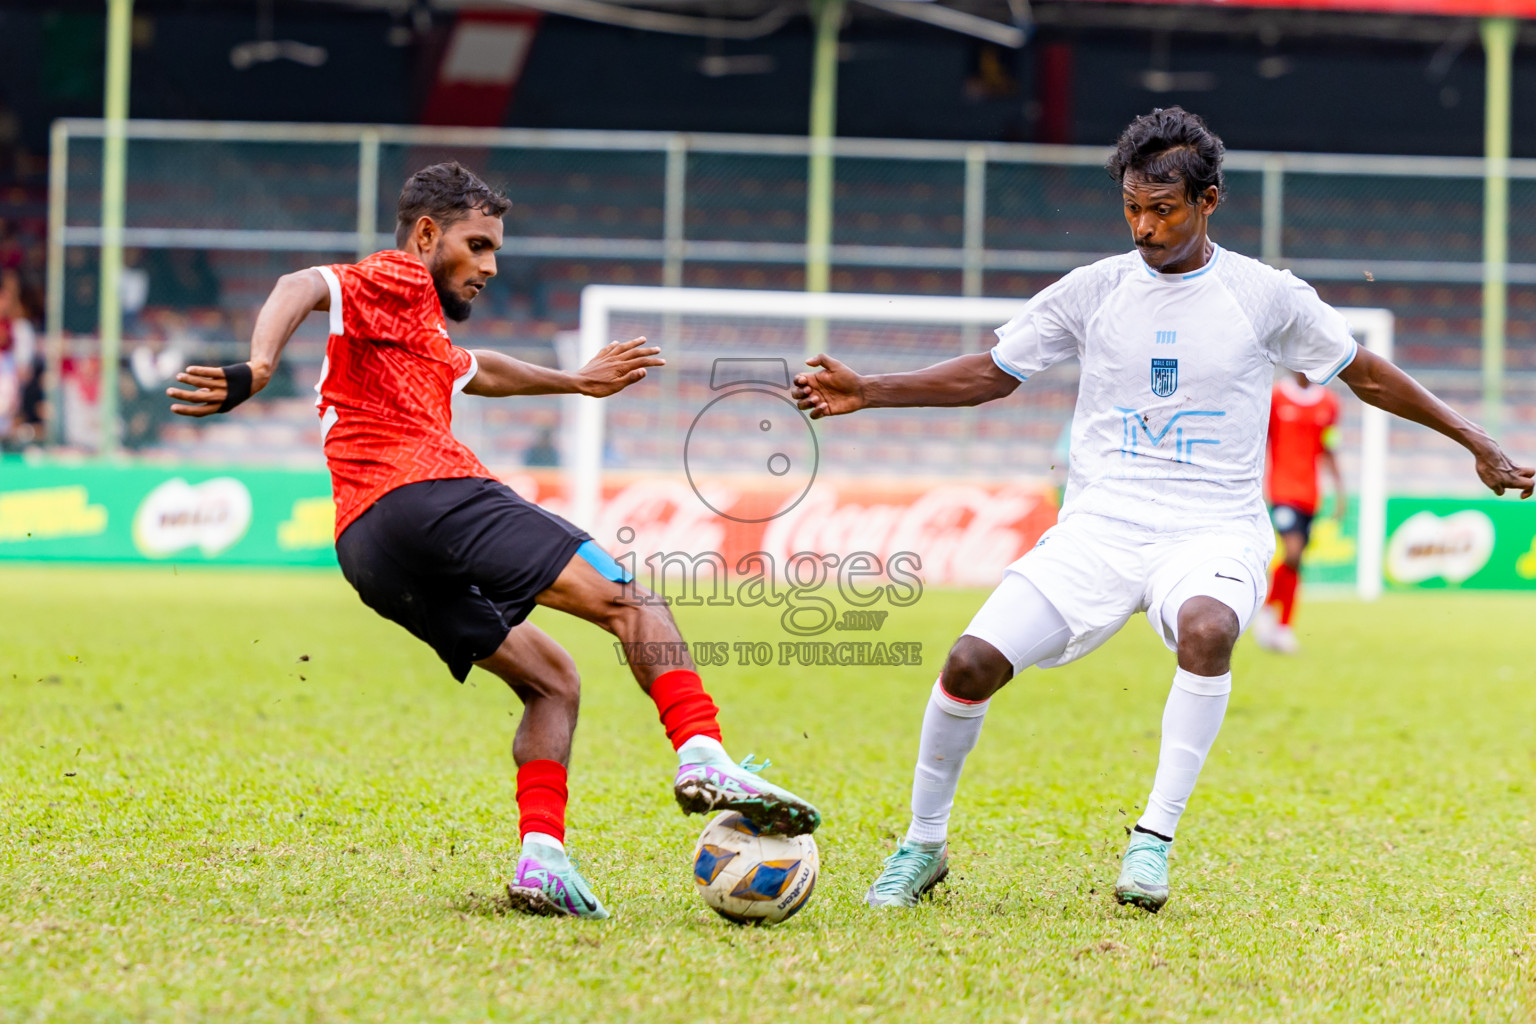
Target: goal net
{"x":709,"y":458}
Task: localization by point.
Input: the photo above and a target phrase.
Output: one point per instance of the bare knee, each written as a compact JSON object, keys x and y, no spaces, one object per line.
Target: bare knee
{"x":1208,"y":631}
{"x":975,"y":670}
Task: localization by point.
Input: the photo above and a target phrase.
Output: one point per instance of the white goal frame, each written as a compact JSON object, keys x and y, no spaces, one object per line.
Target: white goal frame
{"x":600,"y":301}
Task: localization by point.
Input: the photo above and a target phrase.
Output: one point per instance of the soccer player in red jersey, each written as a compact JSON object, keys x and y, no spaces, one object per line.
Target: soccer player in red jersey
{"x":430,"y":539}
{"x":1302,"y":419}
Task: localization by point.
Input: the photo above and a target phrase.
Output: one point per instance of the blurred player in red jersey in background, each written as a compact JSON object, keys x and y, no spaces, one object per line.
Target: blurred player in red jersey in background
{"x":430,"y":539}
{"x":1303,"y":420}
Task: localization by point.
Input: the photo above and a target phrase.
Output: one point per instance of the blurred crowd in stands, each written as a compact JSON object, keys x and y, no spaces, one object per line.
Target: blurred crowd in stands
{"x":198,"y":305}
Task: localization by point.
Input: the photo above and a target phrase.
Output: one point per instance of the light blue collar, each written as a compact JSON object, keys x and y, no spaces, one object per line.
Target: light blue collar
{"x":1215,"y":255}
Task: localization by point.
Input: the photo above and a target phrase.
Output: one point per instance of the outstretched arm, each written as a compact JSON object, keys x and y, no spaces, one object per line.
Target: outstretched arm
{"x":293,"y":298}
{"x":615,"y":367}
{"x":964,"y":380}
{"x":1378,"y":382}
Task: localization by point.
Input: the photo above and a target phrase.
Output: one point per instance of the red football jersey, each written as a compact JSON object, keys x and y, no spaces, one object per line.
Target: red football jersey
{"x":386,"y":389}
{"x":1300,"y":422}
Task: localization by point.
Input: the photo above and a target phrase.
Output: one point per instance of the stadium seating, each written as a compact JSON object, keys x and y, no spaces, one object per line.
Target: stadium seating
{"x":912,"y":204}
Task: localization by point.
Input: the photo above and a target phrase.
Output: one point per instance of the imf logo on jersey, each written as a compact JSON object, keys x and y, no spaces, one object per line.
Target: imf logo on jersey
{"x":1138,"y":437}
{"x":1165,"y":377}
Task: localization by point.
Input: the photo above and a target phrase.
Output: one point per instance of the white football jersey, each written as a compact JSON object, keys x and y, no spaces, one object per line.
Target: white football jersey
{"x":1173,"y":404}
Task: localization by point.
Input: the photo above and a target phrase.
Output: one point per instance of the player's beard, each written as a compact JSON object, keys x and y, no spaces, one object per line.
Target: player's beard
{"x":454,"y":308}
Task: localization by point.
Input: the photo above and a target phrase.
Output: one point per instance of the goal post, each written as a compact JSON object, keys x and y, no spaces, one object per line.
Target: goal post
{"x":1374,"y":328}
{"x":699,"y":328}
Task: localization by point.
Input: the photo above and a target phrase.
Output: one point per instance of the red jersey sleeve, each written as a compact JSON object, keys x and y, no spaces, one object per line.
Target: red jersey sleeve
{"x":379,"y":299}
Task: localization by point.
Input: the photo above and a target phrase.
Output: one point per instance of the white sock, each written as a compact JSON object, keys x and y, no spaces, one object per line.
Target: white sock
{"x":702,"y":750}
{"x":1191,"y":720}
{"x":543,"y":839}
{"x":950,"y":730}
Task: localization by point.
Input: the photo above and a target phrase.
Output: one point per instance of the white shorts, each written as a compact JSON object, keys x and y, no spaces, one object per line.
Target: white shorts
{"x":1098,"y":572}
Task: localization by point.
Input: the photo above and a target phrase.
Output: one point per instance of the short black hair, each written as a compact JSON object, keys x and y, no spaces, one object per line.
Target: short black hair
{"x":447,"y":193}
{"x":1171,"y":145}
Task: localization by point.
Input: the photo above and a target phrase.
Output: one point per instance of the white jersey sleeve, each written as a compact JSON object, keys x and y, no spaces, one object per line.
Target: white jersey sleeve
{"x":1305,"y":334}
{"x":1051,"y":325}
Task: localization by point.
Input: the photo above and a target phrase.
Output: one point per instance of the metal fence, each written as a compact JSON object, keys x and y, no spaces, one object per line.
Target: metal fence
{"x":230,"y":205}
{"x":679,"y":198}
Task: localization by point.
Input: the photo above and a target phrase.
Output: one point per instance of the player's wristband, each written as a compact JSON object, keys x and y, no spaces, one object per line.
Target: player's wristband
{"x":237,"y":377}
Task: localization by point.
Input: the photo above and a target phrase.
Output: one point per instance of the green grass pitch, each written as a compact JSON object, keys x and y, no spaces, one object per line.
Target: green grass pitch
{"x":199,"y":824}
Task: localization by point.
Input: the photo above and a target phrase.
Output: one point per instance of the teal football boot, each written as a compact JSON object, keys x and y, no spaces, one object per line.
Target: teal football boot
{"x":1144,"y":872}
{"x":909,"y":874}
{"x":548,"y":885}
{"x":704,"y":787}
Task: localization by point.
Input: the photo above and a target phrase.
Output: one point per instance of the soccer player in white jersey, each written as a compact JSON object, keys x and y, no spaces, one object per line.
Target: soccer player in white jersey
{"x":1163,"y":511}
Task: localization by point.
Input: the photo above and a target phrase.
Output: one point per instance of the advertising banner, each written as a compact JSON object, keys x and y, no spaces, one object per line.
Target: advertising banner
{"x":99,"y":512}
{"x":962,"y":533}
{"x":1471,"y":544}
{"x":949,"y":532}
{"x":1330,"y":559}
{"x":1432,"y":543}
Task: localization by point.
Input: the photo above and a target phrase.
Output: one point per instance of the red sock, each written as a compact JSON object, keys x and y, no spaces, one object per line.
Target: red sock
{"x":684,"y":708}
{"x":541,"y":797}
{"x":1283,"y":591}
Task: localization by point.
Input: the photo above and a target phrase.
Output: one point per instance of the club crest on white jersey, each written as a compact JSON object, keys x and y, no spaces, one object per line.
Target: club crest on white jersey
{"x":1190,"y":453}
{"x":1165,"y":377}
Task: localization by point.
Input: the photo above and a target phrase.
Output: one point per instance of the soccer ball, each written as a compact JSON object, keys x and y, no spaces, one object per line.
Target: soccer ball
{"x":751,"y":877}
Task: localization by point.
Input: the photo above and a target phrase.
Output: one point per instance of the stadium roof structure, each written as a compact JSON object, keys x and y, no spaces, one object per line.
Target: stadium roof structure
{"x":1012,"y":22}
{"x":1005,"y":22}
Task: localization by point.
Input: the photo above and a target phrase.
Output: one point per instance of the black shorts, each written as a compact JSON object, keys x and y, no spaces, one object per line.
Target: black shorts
{"x":456,"y":562}
{"x":1290,"y":519}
